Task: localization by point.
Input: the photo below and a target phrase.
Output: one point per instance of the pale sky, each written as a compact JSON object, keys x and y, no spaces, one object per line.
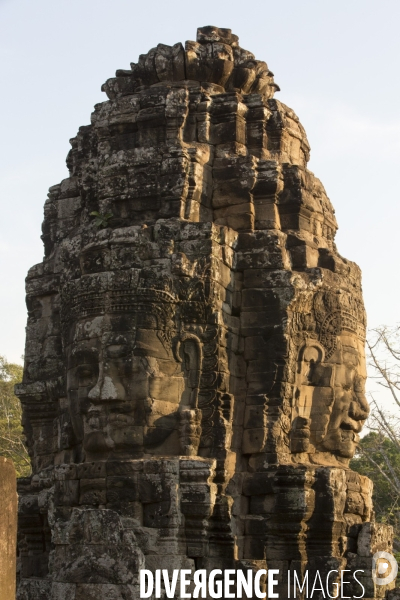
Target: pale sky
{"x":337,"y":63}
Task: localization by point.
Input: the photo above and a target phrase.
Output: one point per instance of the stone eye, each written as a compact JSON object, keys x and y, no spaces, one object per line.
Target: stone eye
{"x":85,"y":375}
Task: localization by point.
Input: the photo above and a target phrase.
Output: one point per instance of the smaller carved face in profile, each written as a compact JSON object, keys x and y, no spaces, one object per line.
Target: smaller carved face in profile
{"x":125,"y":388}
{"x":350,"y":407}
{"x":330,"y":406}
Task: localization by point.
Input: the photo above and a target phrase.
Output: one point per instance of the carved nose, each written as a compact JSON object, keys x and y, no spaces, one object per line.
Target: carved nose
{"x":95,"y":392}
{"x":357,"y":412}
{"x":107,"y":389}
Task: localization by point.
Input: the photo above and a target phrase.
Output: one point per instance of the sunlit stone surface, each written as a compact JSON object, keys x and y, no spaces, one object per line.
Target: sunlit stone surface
{"x":194,"y":370}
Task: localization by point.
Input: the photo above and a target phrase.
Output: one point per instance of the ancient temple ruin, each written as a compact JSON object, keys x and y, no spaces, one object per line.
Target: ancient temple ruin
{"x":194,"y":369}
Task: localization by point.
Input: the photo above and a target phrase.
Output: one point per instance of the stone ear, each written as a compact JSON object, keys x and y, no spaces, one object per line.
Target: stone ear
{"x":310,"y":356}
{"x":188,"y":351}
{"x":300,"y":435}
{"x":312,"y":351}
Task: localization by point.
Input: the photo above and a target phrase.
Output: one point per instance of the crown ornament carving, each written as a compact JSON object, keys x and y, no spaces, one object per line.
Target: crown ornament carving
{"x":139,"y":291}
{"x":325,"y":315}
{"x":215,"y":60}
{"x":114,"y":293}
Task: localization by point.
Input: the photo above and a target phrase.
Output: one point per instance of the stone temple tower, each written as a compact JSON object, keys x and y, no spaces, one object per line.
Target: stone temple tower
{"x":194,"y":369}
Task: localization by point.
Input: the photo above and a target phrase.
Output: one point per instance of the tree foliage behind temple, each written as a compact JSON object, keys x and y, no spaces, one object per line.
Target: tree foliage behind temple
{"x":378,"y":456}
{"x":379,"y":459}
{"x":11,"y":435}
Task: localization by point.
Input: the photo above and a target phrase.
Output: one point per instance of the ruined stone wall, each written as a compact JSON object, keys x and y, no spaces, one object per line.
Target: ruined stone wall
{"x":194,"y":370}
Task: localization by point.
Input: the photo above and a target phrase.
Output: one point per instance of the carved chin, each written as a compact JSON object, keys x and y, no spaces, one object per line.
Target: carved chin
{"x":342,"y":442}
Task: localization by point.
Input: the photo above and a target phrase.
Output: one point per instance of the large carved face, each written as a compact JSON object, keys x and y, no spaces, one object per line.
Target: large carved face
{"x":330,"y":407}
{"x":350,"y":407}
{"x":124,"y":387}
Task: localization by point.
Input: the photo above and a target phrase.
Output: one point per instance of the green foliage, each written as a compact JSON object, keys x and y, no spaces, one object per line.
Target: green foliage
{"x":11,"y":435}
{"x":379,"y":459}
{"x":101,"y":221}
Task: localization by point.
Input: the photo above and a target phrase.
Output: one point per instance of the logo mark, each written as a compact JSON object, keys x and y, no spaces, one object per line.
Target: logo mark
{"x":384,"y":568}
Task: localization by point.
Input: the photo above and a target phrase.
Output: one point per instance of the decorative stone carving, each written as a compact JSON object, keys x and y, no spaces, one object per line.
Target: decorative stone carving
{"x":194,"y":372}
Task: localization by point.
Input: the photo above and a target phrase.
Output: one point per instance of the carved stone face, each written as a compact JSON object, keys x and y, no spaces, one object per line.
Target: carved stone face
{"x":350,"y":407}
{"x":124,"y":388}
{"x":330,"y":406}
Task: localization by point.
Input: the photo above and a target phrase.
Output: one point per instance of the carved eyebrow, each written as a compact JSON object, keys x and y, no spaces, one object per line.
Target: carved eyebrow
{"x":116,"y":339}
{"x":117,"y":350}
{"x":84,"y":356}
{"x":351,"y":351}
{"x":86,"y":368}
{"x":348,"y":348}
